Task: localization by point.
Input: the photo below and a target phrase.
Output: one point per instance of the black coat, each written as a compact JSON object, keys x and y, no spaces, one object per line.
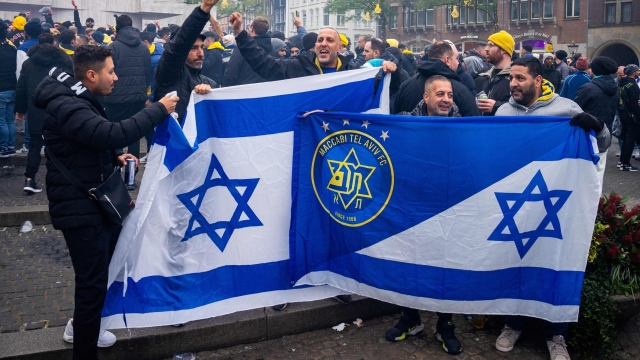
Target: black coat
{"x":629,"y":96}
{"x":238,"y":72}
{"x":172,"y":73}
{"x":554,"y":77}
{"x":132,"y":62}
{"x":212,"y":65}
{"x":496,"y":86}
{"x":42,"y":58}
{"x":409,"y":63}
{"x":77,"y":132}
{"x":599,"y":98}
{"x":272,"y":69}
{"x":411,"y":91}
{"x":8,"y":55}
{"x":466,"y":79}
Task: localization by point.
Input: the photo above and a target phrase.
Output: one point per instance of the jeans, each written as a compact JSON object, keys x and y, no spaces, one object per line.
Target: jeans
{"x":33,"y":157}
{"x":7,"y":124}
{"x":550,"y":329}
{"x":90,"y":248}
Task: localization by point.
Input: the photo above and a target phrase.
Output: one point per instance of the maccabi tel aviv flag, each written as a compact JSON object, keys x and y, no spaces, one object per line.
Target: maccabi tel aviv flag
{"x":463,"y":215}
{"x":210,"y":232}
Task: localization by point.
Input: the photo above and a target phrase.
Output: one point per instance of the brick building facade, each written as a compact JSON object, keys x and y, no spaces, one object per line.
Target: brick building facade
{"x":614,"y":30}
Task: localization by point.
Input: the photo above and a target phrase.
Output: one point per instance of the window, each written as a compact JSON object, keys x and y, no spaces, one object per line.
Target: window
{"x":625,"y":12}
{"x":573,"y":8}
{"x":304,"y":18}
{"x":357,"y":19}
{"x":472,"y":15}
{"x":548,"y":9}
{"x":535,"y":9}
{"x":610,"y":14}
{"x":317,"y":17}
{"x":430,"y":21}
{"x":340,"y":21}
{"x":524,"y":10}
{"x":481,"y":16}
{"x":412,"y":17}
{"x":325,"y":18}
{"x":514,"y":10}
{"x":393,"y":18}
{"x":422,"y":17}
{"x":463,"y":15}
{"x":311,"y":18}
{"x":405,"y":18}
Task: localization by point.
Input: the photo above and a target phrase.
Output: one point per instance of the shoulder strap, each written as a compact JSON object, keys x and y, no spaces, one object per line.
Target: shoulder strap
{"x":66,"y":173}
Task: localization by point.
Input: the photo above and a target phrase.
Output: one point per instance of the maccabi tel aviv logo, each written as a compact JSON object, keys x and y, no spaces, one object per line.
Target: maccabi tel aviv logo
{"x":352,"y":176}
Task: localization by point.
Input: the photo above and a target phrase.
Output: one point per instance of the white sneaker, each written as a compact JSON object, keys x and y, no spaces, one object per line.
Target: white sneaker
{"x":24,"y":150}
{"x":143,"y":160}
{"x":558,"y":348}
{"x":635,"y":154}
{"x":105,"y":339}
{"x":507,"y":339}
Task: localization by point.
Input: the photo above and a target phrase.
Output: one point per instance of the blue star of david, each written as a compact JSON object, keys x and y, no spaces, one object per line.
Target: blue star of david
{"x":192,"y":200}
{"x":508,"y":222}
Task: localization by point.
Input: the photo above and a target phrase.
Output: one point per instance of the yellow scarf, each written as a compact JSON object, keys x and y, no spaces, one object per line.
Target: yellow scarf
{"x":215,"y":45}
{"x":152,"y":48}
{"x":320,"y":67}
{"x":407,"y":51}
{"x":547,"y":90}
{"x":69,"y":52}
{"x":107,"y":39}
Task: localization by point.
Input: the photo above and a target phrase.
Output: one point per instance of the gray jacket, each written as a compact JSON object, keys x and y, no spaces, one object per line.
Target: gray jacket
{"x":556,"y":106}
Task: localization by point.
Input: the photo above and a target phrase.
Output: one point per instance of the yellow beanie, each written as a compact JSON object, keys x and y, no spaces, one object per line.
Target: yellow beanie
{"x":343,"y":40}
{"x":393,"y":42}
{"x":19,"y":22}
{"x":504,"y":41}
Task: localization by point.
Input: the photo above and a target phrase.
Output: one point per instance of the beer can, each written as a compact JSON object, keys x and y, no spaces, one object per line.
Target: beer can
{"x":130,"y":174}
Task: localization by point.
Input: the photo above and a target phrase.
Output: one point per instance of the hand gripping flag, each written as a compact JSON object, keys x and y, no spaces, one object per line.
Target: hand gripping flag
{"x":210,"y":232}
{"x":463,"y":215}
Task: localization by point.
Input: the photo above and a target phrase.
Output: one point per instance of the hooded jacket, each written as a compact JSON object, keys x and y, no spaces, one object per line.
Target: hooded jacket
{"x":172,"y":73}
{"x":409,"y":62}
{"x":8,"y":53}
{"x":466,"y":79}
{"x":572,"y":83}
{"x":495,"y":85}
{"x":212,"y":67}
{"x":599,"y":98}
{"x":132,"y":62}
{"x":553,"y":76}
{"x":629,"y":96}
{"x":239,"y":72}
{"x":272,"y":69}
{"x":17,"y":36}
{"x":77,"y":132}
{"x":42,"y":58}
{"x":550,"y":104}
{"x":410,"y":92}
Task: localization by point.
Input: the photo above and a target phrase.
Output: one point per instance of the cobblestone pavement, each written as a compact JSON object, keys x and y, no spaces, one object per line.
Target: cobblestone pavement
{"x":623,"y":183}
{"x":12,"y":183}
{"x":368,"y":342}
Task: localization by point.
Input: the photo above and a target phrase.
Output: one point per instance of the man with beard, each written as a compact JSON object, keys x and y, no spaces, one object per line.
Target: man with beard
{"x":437,"y":100}
{"x":495,"y":82}
{"x":324,"y":60}
{"x":532,"y":96}
{"x":600,"y":96}
{"x":77,"y":132}
{"x":238,"y":72}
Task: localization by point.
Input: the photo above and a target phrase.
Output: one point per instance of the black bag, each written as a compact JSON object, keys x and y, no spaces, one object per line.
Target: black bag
{"x":112,"y":196}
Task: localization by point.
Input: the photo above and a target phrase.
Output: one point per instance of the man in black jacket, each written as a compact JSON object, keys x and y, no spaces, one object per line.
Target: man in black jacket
{"x":78,"y":134}
{"x":443,"y":60}
{"x":629,"y":111}
{"x":550,"y":73}
{"x":133,"y":66}
{"x":212,"y":65}
{"x":238,"y":72}
{"x":600,"y":97}
{"x":408,"y":61}
{"x":180,"y":65}
{"x":324,"y":60}
{"x":42,"y":58}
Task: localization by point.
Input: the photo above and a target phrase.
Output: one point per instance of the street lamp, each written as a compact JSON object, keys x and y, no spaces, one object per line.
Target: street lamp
{"x":573,"y":47}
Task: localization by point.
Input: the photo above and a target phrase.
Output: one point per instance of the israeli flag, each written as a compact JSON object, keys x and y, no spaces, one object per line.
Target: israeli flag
{"x":457,"y":215}
{"x":210,"y":232}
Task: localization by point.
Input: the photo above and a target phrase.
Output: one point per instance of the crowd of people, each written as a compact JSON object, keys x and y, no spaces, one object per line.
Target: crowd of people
{"x":86,"y":92}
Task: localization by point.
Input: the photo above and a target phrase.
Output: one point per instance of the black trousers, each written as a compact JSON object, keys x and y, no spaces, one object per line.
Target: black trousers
{"x":631,"y":136}
{"x":33,"y":157}
{"x":414,"y":316}
{"x":90,"y":249}
{"x":124,"y":112}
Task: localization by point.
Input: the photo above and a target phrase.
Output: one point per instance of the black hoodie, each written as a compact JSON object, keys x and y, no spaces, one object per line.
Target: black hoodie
{"x":629,"y":96}
{"x":599,"y":98}
{"x":42,"y":58}
{"x":411,"y":91}
{"x":132,"y":62}
{"x":239,"y":72}
{"x":78,"y":133}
